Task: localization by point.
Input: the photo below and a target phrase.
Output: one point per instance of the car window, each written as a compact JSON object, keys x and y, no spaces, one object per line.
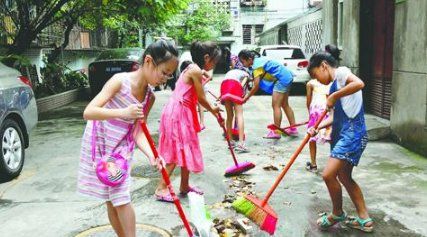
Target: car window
{"x":133,"y":54}
{"x":283,"y":53}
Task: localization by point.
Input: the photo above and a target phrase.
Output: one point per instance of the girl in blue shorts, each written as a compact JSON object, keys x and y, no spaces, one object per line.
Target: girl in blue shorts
{"x":273,"y":78}
{"x":348,"y":139}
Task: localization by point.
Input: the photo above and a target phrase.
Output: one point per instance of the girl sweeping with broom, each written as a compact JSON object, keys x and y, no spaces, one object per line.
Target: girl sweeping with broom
{"x":273,"y":78}
{"x":179,"y":125}
{"x":232,"y":93}
{"x":349,"y":137}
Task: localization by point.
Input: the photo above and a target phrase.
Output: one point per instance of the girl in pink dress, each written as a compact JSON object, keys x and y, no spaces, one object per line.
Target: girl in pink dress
{"x":179,"y":124}
{"x":125,"y":99}
{"x":316,"y":104}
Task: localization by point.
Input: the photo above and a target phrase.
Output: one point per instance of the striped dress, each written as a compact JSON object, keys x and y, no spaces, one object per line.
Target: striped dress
{"x":110,"y":134}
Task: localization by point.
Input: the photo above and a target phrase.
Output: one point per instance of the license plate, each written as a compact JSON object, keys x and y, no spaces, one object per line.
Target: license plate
{"x":113,"y":69}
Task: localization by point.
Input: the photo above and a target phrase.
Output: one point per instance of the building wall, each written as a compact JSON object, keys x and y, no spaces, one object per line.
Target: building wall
{"x":306,"y":32}
{"x":409,"y":87}
{"x":329,"y":19}
{"x":275,"y":12}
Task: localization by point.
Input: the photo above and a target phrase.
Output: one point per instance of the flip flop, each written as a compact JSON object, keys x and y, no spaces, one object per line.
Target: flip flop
{"x":192,"y":189}
{"x":164,"y":198}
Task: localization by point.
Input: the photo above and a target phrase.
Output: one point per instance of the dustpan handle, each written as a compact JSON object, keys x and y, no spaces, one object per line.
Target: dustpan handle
{"x":291,"y":161}
{"x":167,"y":181}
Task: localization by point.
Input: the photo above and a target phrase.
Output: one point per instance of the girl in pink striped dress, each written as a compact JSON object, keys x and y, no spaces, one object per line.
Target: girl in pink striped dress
{"x":125,"y":99}
{"x":179,"y":125}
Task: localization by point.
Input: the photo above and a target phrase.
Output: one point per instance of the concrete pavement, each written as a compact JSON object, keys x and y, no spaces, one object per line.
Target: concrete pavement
{"x":43,"y":202}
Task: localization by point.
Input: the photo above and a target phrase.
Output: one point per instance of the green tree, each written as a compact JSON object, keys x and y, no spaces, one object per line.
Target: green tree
{"x":31,"y":17}
{"x":201,"y":21}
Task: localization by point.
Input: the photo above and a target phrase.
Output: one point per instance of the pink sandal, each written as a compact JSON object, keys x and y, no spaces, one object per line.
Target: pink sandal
{"x":192,"y":189}
{"x":164,"y":198}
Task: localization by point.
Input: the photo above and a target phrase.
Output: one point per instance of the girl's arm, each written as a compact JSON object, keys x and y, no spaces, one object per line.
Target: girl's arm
{"x":353,"y":84}
{"x":196,"y":78}
{"x":253,"y":90}
{"x":151,"y":101}
{"x":95,"y":109}
{"x":141,"y":141}
{"x":309,"y":94}
{"x":327,"y":122}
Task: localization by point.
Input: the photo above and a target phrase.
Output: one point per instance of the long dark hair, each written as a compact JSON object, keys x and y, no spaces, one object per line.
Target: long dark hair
{"x":161,"y":51}
{"x":331,"y":56}
{"x":199,"y":49}
{"x":248,"y":54}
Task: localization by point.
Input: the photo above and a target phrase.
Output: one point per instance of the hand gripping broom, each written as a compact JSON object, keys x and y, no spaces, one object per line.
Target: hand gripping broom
{"x":258,"y":210}
{"x":238,"y":168}
{"x":167,"y":181}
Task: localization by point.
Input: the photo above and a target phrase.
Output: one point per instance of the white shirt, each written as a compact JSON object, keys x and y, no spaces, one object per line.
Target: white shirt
{"x":351,"y":104}
{"x":236,"y":74}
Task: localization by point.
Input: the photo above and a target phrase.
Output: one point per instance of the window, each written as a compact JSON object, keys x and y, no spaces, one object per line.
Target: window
{"x":281,"y":53}
{"x":259,"y":29}
{"x":249,"y":32}
{"x":340,"y":23}
{"x":247,"y":39}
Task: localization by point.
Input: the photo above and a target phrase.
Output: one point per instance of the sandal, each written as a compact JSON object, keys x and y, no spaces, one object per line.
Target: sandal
{"x":191,"y":189}
{"x":324,"y":223}
{"x":164,"y":197}
{"x":360,"y":224}
{"x":310,"y":167}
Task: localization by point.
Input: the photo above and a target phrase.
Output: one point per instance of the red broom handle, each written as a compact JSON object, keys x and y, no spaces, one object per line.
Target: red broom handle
{"x":220,"y":119}
{"x":216,"y":97}
{"x":291,"y":161}
{"x":292,"y":126}
{"x":167,"y":181}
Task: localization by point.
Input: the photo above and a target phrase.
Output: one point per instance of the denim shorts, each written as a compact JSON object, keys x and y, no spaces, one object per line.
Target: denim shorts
{"x":279,"y":87}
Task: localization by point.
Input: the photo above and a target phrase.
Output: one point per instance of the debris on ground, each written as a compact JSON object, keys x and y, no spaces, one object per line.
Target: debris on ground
{"x":230,"y":228}
{"x":270,"y":168}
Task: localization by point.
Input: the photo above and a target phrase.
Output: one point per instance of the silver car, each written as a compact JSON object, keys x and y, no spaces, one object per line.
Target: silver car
{"x":18,"y":116}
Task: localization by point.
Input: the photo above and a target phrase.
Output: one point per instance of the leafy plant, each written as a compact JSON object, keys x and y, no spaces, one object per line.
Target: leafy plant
{"x":201,"y":21}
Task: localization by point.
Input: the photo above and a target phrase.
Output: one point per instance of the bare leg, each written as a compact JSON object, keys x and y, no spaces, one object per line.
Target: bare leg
{"x":126,"y":216}
{"x":201,"y":115}
{"x":334,"y":187}
{"x":185,"y":180}
{"x":114,"y":219}
{"x":161,"y":187}
{"x":276,"y":103}
{"x":288,"y":110}
{"x":229,"y":120}
{"x":240,"y":123}
{"x":354,"y":191}
{"x":313,"y":149}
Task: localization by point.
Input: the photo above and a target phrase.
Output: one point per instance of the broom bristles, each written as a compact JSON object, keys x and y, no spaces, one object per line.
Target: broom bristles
{"x":243,"y":206}
{"x":261,"y":216}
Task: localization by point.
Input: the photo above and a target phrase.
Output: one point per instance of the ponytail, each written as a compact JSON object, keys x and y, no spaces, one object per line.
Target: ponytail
{"x":199,"y":49}
{"x":161,"y":51}
{"x":330,"y":56}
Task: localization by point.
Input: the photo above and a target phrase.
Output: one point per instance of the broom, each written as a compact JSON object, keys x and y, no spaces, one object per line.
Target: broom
{"x":283,"y":130}
{"x":238,"y":168}
{"x":258,"y":210}
{"x":167,"y":181}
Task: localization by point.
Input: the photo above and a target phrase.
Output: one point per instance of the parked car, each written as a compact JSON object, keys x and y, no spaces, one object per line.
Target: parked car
{"x":290,"y":56}
{"x":110,"y":62}
{"x":18,"y":116}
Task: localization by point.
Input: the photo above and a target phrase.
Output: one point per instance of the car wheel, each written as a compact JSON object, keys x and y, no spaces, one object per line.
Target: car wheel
{"x":12,"y":153}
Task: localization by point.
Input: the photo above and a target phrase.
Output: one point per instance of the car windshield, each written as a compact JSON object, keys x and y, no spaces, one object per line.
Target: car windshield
{"x":132,"y":54}
{"x":283,"y":53}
